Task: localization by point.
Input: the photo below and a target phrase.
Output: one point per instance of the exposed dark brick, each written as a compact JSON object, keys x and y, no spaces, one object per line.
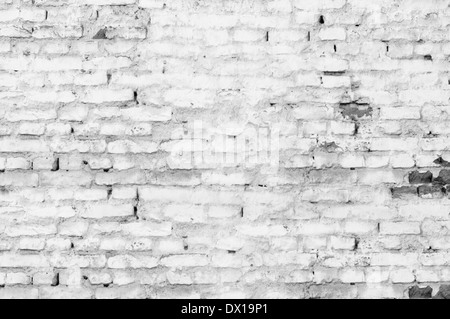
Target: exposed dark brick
{"x":404,"y":191}
{"x":420,"y":293}
{"x":55,"y":166}
{"x":417,"y":177}
{"x":101,"y":35}
{"x":443,"y":178}
{"x":329,"y":147}
{"x":431,"y":191}
{"x":442,"y":162}
{"x":55,"y":280}
{"x":443,"y":293}
{"x":355,"y":111}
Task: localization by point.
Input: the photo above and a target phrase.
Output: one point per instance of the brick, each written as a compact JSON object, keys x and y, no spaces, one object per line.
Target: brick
{"x":105,"y":211}
{"x":352,"y":276}
{"x":35,"y":244}
{"x":134,"y":262}
{"x":45,"y":278}
{"x":100,"y":278}
{"x":352,"y":161}
{"x":185,"y":213}
{"x":53,"y":212}
{"x":65,"y":293}
{"x":124,"y":178}
{"x":390,"y":259}
{"x":58,"y":244}
{"x":65,"y":179}
{"x":17,"y":279}
{"x":82,"y":261}
{"x":436,"y":259}
{"x":353,"y":227}
{"x":391,"y":144}
{"x":404,"y":192}
{"x":19,"y":179}
{"x":90,"y":194}
{"x":400,"y":228}
{"x":342,"y":243}
{"x":185,"y":261}
{"x":74,"y":113}
{"x":420,"y":177}
{"x":373,"y":177}
{"x":124,"y":193}
{"x":402,"y":276}
{"x":107,"y":2}
{"x":121,"y":293}
{"x":419,"y":212}
{"x":376,"y":275}
{"x":134,"y":147}
{"x":431,"y":191}
{"x":333,"y":34}
{"x":121,"y":129}
{"x":30,"y":230}
{"x":17,"y":146}
{"x":9,"y":260}
{"x":425,"y":275}
{"x":105,"y":96}
{"x":150,"y":114}
{"x":19,"y":293}
{"x":72,"y":228}
{"x":332,"y":65}
{"x":222,"y":212}
{"x":99,"y":78}
{"x":148,"y":229}
{"x":321,"y":4}
{"x":17,"y":163}
{"x":400,"y":113}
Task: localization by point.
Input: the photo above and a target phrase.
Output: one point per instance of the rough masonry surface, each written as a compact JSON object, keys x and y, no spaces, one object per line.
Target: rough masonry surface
{"x":224,"y":149}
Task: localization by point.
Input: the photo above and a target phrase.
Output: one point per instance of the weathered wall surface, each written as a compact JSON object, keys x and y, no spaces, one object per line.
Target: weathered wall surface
{"x":238,"y":148}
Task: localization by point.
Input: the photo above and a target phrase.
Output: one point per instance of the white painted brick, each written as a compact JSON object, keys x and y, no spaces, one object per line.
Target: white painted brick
{"x":148,"y":229}
{"x":124,"y":193}
{"x":70,"y":277}
{"x":399,"y":228}
{"x":17,"y":163}
{"x":402,"y":276}
{"x":128,"y":146}
{"x":333,"y":34}
{"x":391,"y":259}
{"x":105,"y":211}
{"x":344,"y":243}
{"x":31,"y":244}
{"x":352,"y":161}
{"x":320,"y":4}
{"x":46,"y":278}
{"x":19,"y":261}
{"x":400,"y":113}
{"x":53,"y":212}
{"x":73,"y":228}
{"x":103,"y":96}
{"x":352,"y":276}
{"x":17,"y":279}
{"x":427,"y":275}
{"x":402,"y":161}
{"x":109,"y":190}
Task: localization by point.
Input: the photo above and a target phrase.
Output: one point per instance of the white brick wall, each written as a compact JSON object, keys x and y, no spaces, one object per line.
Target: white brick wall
{"x":208,"y":149}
